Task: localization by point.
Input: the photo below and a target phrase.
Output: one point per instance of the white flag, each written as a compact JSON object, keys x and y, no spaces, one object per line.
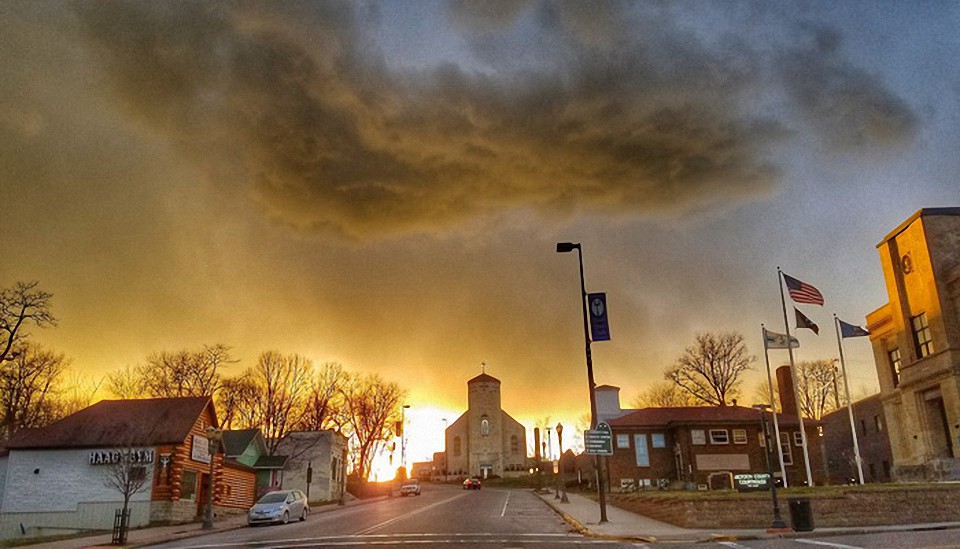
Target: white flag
{"x":773,"y":340}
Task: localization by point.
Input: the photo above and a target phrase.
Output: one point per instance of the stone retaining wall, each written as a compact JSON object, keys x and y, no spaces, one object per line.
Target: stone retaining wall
{"x":854,"y":507}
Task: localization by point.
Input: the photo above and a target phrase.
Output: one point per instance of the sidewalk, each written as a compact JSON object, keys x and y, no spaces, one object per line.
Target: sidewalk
{"x":584,"y":514}
{"x":152,"y":535}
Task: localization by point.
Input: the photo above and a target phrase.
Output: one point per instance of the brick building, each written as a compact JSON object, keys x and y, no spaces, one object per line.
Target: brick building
{"x":706,"y":445}
{"x":875,"y":455}
{"x":53,"y":479}
{"x":916,"y":344}
{"x":485,"y":441}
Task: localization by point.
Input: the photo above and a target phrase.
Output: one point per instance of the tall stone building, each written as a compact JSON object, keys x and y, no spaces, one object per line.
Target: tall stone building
{"x":916,"y":344}
{"x":485,"y":441}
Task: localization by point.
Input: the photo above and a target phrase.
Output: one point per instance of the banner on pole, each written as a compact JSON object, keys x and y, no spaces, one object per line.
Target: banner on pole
{"x":599,"y":326}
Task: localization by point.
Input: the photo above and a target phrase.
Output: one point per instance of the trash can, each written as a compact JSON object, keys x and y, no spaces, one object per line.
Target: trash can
{"x":801,"y":517}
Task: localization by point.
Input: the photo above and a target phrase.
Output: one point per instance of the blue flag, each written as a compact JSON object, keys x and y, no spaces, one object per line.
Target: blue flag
{"x":849,"y":330}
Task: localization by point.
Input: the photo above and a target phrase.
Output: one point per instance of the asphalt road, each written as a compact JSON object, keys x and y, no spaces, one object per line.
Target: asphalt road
{"x":442,"y":516}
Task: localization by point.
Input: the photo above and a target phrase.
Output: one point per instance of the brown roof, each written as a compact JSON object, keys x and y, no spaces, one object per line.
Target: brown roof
{"x":138,"y":422}
{"x":484,"y":377}
{"x":662,"y":417}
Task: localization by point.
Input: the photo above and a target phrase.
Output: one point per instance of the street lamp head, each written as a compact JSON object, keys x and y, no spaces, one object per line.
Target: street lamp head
{"x":406,"y":405}
{"x":564,"y":247}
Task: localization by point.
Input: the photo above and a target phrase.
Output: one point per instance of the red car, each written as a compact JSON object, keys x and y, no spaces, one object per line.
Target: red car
{"x":472,"y":483}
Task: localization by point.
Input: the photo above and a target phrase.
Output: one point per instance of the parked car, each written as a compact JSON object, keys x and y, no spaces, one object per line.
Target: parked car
{"x":410,"y":487}
{"x":279,"y":507}
{"x":472,"y":483}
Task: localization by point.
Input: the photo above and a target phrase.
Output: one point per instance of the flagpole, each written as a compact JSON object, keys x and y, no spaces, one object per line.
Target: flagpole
{"x":793,"y":377}
{"x":846,"y":390}
{"x":773,"y":407}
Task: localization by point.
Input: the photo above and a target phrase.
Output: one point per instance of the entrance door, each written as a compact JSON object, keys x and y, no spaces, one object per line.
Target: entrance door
{"x":204,"y":488}
{"x":941,"y":445}
{"x":486,"y":470}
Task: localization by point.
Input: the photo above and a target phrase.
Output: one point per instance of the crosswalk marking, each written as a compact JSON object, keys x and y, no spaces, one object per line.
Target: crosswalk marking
{"x":827,"y":544}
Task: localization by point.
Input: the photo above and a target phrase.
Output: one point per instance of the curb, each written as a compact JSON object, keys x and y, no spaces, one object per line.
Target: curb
{"x":590,"y":533}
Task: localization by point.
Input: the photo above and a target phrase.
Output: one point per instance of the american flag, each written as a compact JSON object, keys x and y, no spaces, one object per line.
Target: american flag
{"x":801,"y":292}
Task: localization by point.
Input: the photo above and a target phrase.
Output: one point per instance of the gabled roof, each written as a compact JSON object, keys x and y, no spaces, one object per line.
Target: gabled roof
{"x":235,"y":442}
{"x":483,"y":378}
{"x":667,"y":416}
{"x":270,"y":462}
{"x":136,"y":422}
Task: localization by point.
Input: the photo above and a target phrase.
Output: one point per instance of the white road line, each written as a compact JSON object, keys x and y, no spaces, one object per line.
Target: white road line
{"x":827,"y":544}
{"x":732,"y":544}
{"x":406,"y":515}
{"x":504,"y":512}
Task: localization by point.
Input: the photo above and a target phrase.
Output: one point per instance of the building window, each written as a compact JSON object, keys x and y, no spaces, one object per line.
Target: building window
{"x":797,"y":438}
{"x":863,"y":427}
{"x":643,"y":454}
{"x":514,"y":445}
{"x":698,"y":436}
{"x":456,"y":446}
{"x":739,"y":436}
{"x":484,"y":427}
{"x":188,"y":484}
{"x":763,"y":439}
{"x":878,"y":424}
{"x":922,"y":339}
{"x":785,"y":449}
{"x":893,"y":355}
{"x":719,"y":436}
{"x":623,"y":441}
{"x":657,"y":440}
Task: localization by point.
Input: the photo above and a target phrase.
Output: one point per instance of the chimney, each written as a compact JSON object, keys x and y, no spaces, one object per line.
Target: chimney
{"x":788,"y":401}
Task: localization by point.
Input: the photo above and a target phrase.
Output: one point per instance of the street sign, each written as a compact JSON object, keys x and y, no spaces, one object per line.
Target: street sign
{"x":599,"y":441}
{"x":599,"y":326}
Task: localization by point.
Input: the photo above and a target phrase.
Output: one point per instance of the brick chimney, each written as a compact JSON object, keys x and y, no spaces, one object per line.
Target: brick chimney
{"x":788,"y":401}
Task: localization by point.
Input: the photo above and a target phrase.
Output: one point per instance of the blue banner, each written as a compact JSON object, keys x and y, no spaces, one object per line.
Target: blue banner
{"x":599,"y":327}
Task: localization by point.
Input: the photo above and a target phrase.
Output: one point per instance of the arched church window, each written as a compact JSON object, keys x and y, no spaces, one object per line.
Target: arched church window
{"x":514,"y":445}
{"x":456,"y":446}
{"x":484,"y":426}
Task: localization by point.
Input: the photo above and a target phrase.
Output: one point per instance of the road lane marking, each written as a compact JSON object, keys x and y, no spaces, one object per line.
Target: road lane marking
{"x":504,"y":512}
{"x":827,"y":544}
{"x":732,"y":544}
{"x":406,"y":515}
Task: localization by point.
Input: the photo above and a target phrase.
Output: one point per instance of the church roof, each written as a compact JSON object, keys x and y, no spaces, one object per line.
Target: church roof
{"x":483,"y":378}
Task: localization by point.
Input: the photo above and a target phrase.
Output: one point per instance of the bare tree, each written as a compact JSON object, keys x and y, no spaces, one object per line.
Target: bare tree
{"x":816,"y":387}
{"x":371,"y":408}
{"x":127,"y":468}
{"x":20,"y":305}
{"x":28,"y":387}
{"x":664,"y":394}
{"x":283,"y":382}
{"x":126,"y":383}
{"x":184,"y":373}
{"x":236,"y":402}
{"x":762,"y":395}
{"x":324,"y":399}
{"x":710,"y":369}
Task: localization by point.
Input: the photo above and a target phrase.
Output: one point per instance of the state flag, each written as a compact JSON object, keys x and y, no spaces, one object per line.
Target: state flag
{"x":773,"y":340}
{"x":849,"y":330}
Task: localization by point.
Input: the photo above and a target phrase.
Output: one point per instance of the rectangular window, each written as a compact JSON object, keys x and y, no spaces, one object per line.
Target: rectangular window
{"x":878,"y":424}
{"x":797,"y":438}
{"x":785,"y":449}
{"x":739,"y":436}
{"x":762,"y":439}
{"x":863,"y":427}
{"x":657,"y":440}
{"x":922,"y":339}
{"x":643,"y":454}
{"x":188,"y":484}
{"x":698,"y":436}
{"x":623,"y":441}
{"x":719,"y":436}
{"x":893,"y":355}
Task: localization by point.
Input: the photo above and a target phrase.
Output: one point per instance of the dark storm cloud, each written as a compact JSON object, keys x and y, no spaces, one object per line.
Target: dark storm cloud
{"x":613,"y":115}
{"x":849,"y":107}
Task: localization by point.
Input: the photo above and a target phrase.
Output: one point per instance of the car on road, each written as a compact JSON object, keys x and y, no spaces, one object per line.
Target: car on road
{"x":279,"y":507}
{"x":472,"y":483}
{"x":410,"y":487}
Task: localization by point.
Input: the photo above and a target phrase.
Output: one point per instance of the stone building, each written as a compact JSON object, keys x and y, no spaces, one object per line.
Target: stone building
{"x":315,"y":463}
{"x":485,"y":441}
{"x":916,"y":344}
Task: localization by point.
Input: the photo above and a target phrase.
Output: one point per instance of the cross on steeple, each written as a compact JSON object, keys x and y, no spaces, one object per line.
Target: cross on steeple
{"x":483,"y":367}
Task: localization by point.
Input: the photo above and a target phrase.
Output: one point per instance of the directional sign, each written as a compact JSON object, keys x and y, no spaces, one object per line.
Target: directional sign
{"x":599,"y":441}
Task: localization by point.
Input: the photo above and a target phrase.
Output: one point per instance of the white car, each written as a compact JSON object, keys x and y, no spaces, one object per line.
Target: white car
{"x":279,"y":507}
{"x":410,"y":488}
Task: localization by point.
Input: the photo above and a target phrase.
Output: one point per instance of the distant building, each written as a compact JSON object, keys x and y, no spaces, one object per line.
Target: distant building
{"x":871,"y":424}
{"x":440,"y":465}
{"x":485,"y":441}
{"x":916,"y":344}
{"x":53,"y":479}
{"x":423,"y":470}
{"x":248,"y":447}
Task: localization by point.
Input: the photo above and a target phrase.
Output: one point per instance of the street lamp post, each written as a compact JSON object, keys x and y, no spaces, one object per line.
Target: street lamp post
{"x":403,"y":439}
{"x":561,"y":484}
{"x":213,"y":438}
{"x":446,"y":462}
{"x":777,"y":519}
{"x":565,"y":247}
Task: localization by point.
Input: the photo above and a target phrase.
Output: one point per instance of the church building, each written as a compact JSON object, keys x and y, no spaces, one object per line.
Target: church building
{"x":485,"y":441}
